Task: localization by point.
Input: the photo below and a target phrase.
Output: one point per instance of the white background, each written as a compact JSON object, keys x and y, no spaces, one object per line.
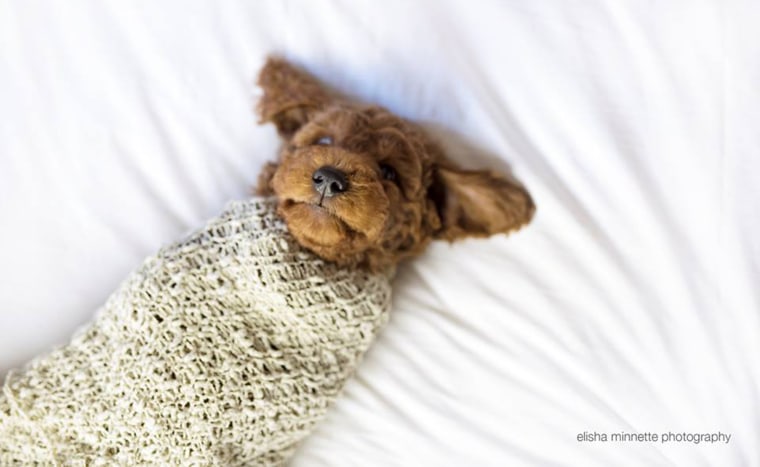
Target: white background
{"x":630,"y":304}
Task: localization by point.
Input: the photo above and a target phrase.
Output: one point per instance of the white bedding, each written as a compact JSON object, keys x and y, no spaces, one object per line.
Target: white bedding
{"x":631,"y":304}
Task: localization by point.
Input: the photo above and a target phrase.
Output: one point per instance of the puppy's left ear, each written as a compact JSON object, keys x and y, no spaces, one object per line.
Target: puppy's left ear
{"x":478,"y":203}
{"x":291,"y":96}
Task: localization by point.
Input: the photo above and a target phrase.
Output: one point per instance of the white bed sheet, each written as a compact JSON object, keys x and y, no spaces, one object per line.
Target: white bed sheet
{"x":630,"y":304}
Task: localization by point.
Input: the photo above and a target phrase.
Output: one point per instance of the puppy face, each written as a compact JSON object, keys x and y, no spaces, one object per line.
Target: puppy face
{"x":360,"y":186}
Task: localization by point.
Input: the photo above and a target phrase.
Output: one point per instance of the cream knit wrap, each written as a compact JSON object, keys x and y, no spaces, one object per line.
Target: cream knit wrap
{"x":223,"y":349}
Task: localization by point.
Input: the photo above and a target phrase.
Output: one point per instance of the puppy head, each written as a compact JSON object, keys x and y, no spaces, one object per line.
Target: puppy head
{"x":360,"y":186}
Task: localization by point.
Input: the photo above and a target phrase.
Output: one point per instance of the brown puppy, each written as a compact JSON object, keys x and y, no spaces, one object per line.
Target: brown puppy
{"x":360,"y":186}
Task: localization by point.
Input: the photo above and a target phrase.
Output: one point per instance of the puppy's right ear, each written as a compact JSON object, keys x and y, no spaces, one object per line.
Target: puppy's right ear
{"x":477,"y":203}
{"x":291,"y":96}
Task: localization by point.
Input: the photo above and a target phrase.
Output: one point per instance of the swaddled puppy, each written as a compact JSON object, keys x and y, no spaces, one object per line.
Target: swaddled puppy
{"x":227,"y":346}
{"x":360,"y":186}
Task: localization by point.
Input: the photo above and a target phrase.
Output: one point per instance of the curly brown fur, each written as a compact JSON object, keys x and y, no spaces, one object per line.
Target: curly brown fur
{"x":401,"y":192}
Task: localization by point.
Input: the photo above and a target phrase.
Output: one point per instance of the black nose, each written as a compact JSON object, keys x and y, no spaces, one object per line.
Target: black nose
{"x":329,"y":181}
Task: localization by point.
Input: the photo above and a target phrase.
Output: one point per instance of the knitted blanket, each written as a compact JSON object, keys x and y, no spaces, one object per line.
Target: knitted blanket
{"x":224,"y":348}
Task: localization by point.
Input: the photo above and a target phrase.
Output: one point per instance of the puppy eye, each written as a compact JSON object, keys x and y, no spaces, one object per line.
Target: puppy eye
{"x":324,"y":141}
{"x":389,"y":173}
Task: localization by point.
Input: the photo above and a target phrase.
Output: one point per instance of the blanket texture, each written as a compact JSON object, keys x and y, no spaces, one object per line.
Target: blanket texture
{"x":223,"y":349}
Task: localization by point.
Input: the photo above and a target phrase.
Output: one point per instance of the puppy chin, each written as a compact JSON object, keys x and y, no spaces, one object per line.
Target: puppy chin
{"x":313,"y":226}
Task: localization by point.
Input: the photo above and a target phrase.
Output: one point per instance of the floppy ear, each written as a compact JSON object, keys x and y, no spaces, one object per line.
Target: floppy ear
{"x":264,"y":185}
{"x":291,"y":96}
{"x":478,"y":203}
